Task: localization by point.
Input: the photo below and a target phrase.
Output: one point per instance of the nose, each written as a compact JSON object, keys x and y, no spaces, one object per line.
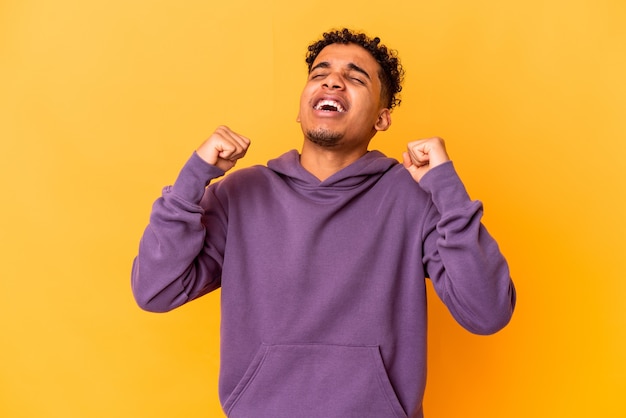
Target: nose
{"x":334,"y":81}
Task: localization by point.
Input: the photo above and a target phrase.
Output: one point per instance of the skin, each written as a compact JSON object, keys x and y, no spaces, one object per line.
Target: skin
{"x":347,"y":74}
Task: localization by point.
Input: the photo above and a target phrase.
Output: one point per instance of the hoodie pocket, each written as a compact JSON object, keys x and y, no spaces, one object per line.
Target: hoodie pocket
{"x":315,"y":380}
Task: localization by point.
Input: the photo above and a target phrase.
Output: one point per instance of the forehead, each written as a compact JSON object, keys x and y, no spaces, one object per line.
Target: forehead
{"x":341,"y":55}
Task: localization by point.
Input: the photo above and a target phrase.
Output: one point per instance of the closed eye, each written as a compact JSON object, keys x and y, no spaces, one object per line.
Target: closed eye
{"x":317,"y":76}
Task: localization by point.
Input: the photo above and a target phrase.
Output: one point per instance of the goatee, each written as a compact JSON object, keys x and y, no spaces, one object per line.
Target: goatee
{"x":324,"y":137}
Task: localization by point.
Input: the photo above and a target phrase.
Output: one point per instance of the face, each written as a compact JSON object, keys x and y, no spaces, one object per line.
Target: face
{"x":341,"y":104}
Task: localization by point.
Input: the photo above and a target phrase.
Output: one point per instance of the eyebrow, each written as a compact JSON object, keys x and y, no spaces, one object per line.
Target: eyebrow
{"x":351,"y":66}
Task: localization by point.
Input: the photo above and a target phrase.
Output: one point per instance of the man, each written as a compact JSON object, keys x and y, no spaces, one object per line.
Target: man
{"x":322,"y":255}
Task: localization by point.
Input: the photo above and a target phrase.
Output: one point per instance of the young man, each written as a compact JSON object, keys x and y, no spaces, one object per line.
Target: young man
{"x":322,"y":255}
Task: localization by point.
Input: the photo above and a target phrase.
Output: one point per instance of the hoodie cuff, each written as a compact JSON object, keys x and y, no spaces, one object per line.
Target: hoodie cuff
{"x":445,"y":187}
{"x":195,"y":175}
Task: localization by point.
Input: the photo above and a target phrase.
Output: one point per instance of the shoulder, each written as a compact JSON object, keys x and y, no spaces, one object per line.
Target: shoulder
{"x":402,"y":180}
{"x":396,"y":189}
{"x":248,"y":173}
{"x":245,"y":180}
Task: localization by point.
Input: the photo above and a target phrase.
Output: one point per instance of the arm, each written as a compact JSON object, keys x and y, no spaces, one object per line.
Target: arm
{"x":468,"y":271}
{"x":179,"y":259}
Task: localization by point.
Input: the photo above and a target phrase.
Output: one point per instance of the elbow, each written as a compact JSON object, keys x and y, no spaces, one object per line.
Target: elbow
{"x":494,"y":318}
{"x":150,"y":303}
{"x":157,"y":288}
{"x":491,"y":325}
{"x":156,"y":299}
{"x":149,"y":296}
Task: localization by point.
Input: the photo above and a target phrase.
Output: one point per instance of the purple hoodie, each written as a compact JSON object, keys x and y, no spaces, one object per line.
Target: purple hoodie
{"x":323,"y":283}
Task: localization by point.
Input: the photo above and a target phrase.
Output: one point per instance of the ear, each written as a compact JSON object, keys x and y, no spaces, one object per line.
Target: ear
{"x":384,"y":120}
{"x":298,"y":117}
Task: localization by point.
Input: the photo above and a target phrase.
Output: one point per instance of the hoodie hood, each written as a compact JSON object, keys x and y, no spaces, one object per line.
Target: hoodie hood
{"x":370,"y":167}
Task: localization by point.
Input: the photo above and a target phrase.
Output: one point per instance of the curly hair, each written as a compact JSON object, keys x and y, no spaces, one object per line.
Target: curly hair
{"x":391,"y":74}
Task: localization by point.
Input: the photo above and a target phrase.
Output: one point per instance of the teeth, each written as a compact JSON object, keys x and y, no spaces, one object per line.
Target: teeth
{"x":329,"y":103}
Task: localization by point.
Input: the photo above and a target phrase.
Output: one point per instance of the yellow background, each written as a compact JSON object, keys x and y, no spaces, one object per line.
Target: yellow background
{"x":101,"y":103}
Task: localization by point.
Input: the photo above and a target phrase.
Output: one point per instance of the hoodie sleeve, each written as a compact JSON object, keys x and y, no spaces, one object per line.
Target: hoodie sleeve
{"x":175,"y":262}
{"x":468,"y":271}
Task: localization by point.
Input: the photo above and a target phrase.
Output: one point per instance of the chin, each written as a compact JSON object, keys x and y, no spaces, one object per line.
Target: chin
{"x":324,"y":137}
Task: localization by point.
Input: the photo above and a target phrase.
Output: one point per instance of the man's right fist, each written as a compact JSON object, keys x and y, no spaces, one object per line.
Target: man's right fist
{"x":223,"y":148}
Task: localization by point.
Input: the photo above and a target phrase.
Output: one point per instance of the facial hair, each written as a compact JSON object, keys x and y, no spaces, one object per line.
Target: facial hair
{"x":324,"y":137}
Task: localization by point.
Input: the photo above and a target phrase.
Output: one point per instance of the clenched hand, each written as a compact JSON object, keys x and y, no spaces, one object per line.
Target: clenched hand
{"x":424,"y":154}
{"x":223,"y":148}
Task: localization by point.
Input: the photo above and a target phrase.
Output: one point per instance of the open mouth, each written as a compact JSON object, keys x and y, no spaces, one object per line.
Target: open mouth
{"x":329,"y":106}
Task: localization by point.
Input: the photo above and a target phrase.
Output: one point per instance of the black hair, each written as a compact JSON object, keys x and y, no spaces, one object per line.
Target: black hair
{"x":391,"y":74}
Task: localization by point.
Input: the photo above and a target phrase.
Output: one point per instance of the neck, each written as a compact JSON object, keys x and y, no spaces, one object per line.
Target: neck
{"x":324,"y":162}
